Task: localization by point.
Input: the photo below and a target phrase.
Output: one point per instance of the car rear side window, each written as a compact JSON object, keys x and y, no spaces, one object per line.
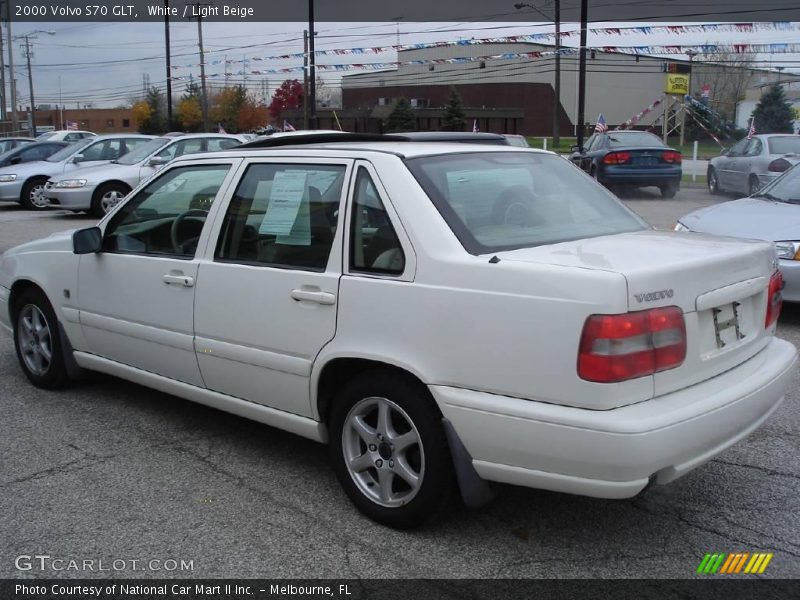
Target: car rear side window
{"x":374,"y":246}
{"x":283,"y":215}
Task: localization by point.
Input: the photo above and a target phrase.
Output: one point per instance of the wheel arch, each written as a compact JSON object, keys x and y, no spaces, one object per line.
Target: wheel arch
{"x":336,"y":372}
{"x":28,"y":180}
{"x":19,"y":287}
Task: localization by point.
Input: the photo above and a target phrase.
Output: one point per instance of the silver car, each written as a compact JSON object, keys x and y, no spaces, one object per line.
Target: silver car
{"x":24,"y":183}
{"x":772,"y":214}
{"x":752,"y":163}
{"x":99,"y":189}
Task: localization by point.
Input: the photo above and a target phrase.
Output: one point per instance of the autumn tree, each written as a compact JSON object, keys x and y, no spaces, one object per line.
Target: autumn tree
{"x":253,"y":115}
{"x":402,"y":117}
{"x":189,"y":110}
{"x":454,"y":118}
{"x":289,"y":96}
{"x":226,"y":105}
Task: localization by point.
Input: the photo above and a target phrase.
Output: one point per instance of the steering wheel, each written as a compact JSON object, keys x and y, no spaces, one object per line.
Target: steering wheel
{"x":180,"y":247}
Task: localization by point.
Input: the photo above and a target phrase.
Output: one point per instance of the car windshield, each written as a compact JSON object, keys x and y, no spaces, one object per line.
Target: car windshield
{"x":496,"y":201}
{"x":619,"y":139}
{"x":68,"y":151}
{"x":143,"y":151}
{"x":784,"y":145}
{"x":784,"y":189}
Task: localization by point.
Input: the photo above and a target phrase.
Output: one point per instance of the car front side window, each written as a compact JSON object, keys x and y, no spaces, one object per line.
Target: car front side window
{"x":167,"y":217}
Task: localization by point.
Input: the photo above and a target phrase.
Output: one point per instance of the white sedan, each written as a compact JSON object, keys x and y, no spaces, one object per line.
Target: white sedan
{"x":442,"y":316}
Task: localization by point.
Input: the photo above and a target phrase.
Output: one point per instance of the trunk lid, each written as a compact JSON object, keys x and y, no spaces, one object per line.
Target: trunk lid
{"x":719,"y":283}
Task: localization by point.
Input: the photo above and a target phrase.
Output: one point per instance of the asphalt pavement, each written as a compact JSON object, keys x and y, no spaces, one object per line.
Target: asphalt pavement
{"x":108,"y":470}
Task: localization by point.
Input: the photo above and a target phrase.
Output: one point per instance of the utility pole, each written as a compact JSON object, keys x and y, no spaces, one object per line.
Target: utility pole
{"x":204,"y":99}
{"x":169,"y":66}
{"x":3,"y":97}
{"x":12,"y":75}
{"x":582,"y":73}
{"x":556,"y":111}
{"x":312,"y":76}
{"x":305,"y":79}
{"x":32,"y":112}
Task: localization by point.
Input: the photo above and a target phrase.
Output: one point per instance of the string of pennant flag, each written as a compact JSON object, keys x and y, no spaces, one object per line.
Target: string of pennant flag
{"x":775,"y":48}
{"x":539,"y":37}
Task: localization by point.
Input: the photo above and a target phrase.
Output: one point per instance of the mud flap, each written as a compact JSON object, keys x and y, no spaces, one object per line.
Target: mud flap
{"x":474,"y":491}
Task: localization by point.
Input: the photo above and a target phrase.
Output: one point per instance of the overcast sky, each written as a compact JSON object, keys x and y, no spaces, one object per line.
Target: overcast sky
{"x":77,"y":64}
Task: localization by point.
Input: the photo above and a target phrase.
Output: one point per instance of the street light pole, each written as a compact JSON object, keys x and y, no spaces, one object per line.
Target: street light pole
{"x":582,"y":73}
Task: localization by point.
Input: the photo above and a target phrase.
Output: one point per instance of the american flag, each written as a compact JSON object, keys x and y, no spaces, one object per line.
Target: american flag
{"x":601,"y":126}
{"x":71,"y":125}
{"x":220,"y":129}
{"x":752,"y":131}
{"x":475,"y":126}
{"x":288,"y":126}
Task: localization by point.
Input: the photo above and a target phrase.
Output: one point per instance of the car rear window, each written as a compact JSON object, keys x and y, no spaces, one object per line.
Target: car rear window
{"x":633,"y":138}
{"x":784,"y":145}
{"x":496,"y":201}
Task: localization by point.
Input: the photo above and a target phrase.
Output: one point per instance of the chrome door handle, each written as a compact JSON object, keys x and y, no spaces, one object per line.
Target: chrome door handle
{"x":183,"y":280}
{"x":313,"y":296}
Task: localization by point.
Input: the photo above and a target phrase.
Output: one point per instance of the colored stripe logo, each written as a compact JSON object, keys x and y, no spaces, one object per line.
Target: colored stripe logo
{"x":734,"y":563}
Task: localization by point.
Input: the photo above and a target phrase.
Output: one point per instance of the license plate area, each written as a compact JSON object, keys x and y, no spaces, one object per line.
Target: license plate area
{"x":728,"y":328}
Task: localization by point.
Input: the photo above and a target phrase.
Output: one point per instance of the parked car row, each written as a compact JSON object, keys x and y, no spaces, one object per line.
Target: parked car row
{"x":94,"y":173}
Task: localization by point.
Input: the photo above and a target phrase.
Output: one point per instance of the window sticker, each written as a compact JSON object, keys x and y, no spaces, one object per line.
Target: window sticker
{"x":288,"y":215}
{"x":285,"y":198}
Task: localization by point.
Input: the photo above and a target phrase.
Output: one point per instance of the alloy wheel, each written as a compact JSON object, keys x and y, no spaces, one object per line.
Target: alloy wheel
{"x":35,"y":341}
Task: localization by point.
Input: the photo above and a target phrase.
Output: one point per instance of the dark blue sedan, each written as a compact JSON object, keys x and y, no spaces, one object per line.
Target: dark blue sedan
{"x":630,"y":159}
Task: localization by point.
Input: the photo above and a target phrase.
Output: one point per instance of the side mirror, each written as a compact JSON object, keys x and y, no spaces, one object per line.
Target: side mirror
{"x":87,"y":241}
{"x":575,"y":149}
{"x":77,"y":158}
{"x":157,"y":161}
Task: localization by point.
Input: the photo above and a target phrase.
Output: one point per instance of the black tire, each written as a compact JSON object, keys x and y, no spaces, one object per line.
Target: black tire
{"x":668,"y":191}
{"x":429,"y":457}
{"x":32,"y":189}
{"x":753,"y":185}
{"x":53,"y":374}
{"x":101,"y":205}
{"x":713,"y":182}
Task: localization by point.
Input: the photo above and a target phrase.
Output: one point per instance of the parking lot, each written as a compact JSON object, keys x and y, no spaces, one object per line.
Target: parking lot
{"x":109,"y":470}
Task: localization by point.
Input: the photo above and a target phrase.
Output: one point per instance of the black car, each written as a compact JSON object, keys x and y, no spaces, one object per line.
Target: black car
{"x":30,"y":152}
{"x":630,"y":159}
{"x":10,"y":143}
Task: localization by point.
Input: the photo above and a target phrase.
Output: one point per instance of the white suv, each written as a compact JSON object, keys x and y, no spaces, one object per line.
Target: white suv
{"x":442,"y":315}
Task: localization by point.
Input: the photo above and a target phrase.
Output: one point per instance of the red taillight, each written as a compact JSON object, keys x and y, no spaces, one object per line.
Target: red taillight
{"x":672,"y":157}
{"x":779,"y":165}
{"x":619,"y":347}
{"x":617,"y":158}
{"x":774,"y":298}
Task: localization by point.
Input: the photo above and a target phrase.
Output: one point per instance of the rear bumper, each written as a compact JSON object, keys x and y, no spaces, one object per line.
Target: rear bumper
{"x":615,"y":453}
{"x":641,"y":176}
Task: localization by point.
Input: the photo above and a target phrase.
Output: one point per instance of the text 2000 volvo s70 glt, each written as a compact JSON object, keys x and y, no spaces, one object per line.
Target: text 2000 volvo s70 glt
{"x":440,"y":315}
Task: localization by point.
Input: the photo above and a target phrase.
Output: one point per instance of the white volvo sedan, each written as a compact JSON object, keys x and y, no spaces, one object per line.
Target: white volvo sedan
{"x":441,"y":315}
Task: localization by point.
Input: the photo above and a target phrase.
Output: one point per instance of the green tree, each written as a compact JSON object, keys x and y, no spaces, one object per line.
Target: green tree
{"x":454,"y":118}
{"x":402,"y":117}
{"x":773,"y":114}
{"x":149,"y":113}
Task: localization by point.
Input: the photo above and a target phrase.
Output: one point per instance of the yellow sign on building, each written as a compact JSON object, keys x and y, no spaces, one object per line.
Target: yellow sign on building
{"x":677,"y":84}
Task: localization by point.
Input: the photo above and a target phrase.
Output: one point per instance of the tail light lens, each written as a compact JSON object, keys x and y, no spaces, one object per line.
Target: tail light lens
{"x":672,"y":157}
{"x":617,"y":158}
{"x":620,"y":347}
{"x":774,"y":298}
{"x":779,"y":165}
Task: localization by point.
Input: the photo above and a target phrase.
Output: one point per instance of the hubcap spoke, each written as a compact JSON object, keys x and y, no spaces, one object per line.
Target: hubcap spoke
{"x":364,"y":431}
{"x":403,"y":470}
{"x":401,"y":442}
{"x":361,"y":463}
{"x":385,"y":480}
{"x":384,"y":419}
